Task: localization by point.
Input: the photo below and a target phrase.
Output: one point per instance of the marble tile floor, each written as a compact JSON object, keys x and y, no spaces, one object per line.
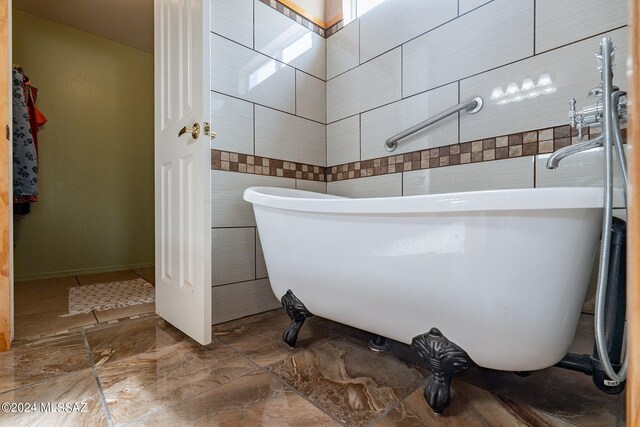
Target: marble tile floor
{"x":39,"y":303}
{"x":145,"y":372}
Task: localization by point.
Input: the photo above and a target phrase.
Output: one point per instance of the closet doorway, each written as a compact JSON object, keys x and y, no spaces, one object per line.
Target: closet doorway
{"x":83,"y":237}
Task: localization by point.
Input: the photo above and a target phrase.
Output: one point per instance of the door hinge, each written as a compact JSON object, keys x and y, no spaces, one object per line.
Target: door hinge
{"x":8,"y":133}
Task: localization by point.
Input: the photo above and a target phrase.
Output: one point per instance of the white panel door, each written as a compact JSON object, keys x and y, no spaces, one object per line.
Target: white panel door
{"x":182,"y":166}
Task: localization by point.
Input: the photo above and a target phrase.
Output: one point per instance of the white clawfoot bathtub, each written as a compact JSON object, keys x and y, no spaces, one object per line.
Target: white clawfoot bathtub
{"x":502,"y":274}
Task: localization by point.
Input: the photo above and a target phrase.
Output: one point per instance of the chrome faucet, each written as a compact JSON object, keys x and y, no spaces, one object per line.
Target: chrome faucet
{"x":590,"y":116}
{"x":554,"y":160}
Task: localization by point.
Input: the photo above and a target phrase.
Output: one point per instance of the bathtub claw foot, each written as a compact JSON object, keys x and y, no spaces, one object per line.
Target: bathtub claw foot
{"x":444,"y":359}
{"x":298,"y":314}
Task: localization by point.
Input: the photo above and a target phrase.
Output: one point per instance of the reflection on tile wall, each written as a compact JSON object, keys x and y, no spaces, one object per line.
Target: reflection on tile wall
{"x":462,"y":49}
{"x":267,"y":102}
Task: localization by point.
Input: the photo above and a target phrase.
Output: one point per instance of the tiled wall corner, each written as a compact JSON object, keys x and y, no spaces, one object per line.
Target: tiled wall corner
{"x":343,"y":141}
{"x":288,"y":137}
{"x":368,"y":86}
{"x":268,"y":109}
{"x":311,"y":97}
{"x":285,"y":40}
{"x":343,"y":50}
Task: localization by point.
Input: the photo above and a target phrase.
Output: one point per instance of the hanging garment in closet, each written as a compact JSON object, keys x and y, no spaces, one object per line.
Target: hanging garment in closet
{"x":36,"y":118}
{"x":25,"y":158}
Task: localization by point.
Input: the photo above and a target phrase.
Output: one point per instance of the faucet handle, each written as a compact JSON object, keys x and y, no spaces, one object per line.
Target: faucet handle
{"x":580,"y":126}
{"x":572,"y":111}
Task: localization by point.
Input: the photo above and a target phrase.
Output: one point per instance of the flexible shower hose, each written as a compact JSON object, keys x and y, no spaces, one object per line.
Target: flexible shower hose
{"x":611,"y":124}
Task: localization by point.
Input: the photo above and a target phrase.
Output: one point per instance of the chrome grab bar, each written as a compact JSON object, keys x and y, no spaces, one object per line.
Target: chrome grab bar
{"x":470,"y":107}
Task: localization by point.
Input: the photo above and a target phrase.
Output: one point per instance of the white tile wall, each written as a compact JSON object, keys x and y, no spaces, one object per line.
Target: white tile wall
{"x":343,"y":141}
{"x":573,"y":72}
{"x":232,"y":255}
{"x":261,"y":266}
{"x":241,"y":299}
{"x":311,"y":97}
{"x":232,"y":120}
{"x":393,"y":22}
{"x":228,"y":207}
{"x":249,"y":75}
{"x":284,"y":136}
{"x":467,"y":5}
{"x":372,"y":186}
{"x":495,"y":175}
{"x":343,"y":50}
{"x":284,"y":39}
{"x":370,"y":85}
{"x":233,"y":19}
{"x":584,"y":169}
{"x":566,"y":21}
{"x":499,"y":33}
{"x":315,"y":186}
{"x":382,"y":123}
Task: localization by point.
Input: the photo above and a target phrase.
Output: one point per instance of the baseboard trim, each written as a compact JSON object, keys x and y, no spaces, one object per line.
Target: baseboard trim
{"x":81,"y":271}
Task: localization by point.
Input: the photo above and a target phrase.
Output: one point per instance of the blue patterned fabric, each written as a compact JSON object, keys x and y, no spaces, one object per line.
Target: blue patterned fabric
{"x":25,"y":158}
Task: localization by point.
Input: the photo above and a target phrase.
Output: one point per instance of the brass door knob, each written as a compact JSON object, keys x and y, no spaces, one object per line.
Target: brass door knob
{"x":193,"y":130}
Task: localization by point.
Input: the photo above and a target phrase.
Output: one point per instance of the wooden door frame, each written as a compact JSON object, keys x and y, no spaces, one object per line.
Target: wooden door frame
{"x":633,"y":214}
{"x":6,"y":206}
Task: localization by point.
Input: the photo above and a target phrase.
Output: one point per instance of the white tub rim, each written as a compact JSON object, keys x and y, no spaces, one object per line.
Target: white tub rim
{"x":471,"y":201}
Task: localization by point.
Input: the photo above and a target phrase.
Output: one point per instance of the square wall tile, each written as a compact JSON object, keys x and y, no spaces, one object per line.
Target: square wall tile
{"x":311,"y":97}
{"x":233,"y":19}
{"x":284,"y":39}
{"x":245,"y":74}
{"x":562,"y":22}
{"x":496,"y":175}
{"x":497,"y":34}
{"x":343,"y":141}
{"x":382,"y":123}
{"x":232,"y":120}
{"x":392,"y":23}
{"x":343,"y":50}
{"x":241,"y":299}
{"x":371,"y":186}
{"x":573,"y":72}
{"x":368,"y":86}
{"x":228,"y":207}
{"x":287,"y":137}
{"x":233,"y":255}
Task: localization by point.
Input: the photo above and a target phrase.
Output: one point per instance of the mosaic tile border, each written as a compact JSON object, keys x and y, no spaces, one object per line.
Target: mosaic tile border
{"x":522,"y":144}
{"x":334,"y":29}
{"x":292,"y":14}
{"x":257,"y":165}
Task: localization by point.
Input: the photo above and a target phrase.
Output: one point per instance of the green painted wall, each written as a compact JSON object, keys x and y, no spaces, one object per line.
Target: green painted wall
{"x":95,"y":208}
